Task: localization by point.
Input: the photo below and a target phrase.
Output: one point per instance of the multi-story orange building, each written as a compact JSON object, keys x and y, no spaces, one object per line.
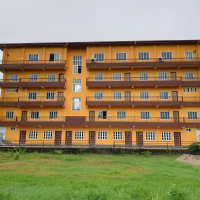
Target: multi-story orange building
{"x":101,"y":93}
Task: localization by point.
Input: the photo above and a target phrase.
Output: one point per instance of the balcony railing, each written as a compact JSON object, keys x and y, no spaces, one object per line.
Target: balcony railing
{"x":143,"y":99}
{"x":31,"y":62}
{"x":33,"y":80}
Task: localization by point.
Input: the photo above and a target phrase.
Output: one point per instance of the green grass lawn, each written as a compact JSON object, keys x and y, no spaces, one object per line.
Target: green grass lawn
{"x":40,"y":176}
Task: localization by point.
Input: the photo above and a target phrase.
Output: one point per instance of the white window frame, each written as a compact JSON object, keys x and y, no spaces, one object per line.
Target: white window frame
{"x":102,"y":114}
{"x":188,"y":76}
{"x":77,"y":65}
{"x":98,"y":77}
{"x":143,"y":55}
{"x":166,"y":55}
{"x":9,"y":115}
{"x":150,"y":136}
{"x":102,"y":135}
{"x":33,"y":77}
{"x":34,"y":55}
{"x":50,"y":95}
{"x":121,"y":56}
{"x":15,"y":90}
{"x":166,"y":136}
{"x":56,"y":57}
{"x":188,"y":55}
{"x":13,"y":78}
{"x":98,"y":57}
{"x":8,"y":90}
{"x":165,"y":115}
{"x":144,"y":95}
{"x":145,"y":115}
{"x":33,"y":135}
{"x":192,"y":115}
{"x":193,"y":89}
{"x":13,"y":128}
{"x":117,"y":77}
{"x":162,"y":75}
{"x":98,"y":95}
{"x":76,"y":104}
{"x":76,"y":85}
{"x":79,"y":135}
{"x":143,"y":76}
{"x":186,"y":89}
{"x":163,"y":95}
{"x":121,"y":115}
{"x":48,"y":135}
{"x":32,"y":95}
{"x":117,"y":135}
{"x":117,"y":95}
{"x":51,"y":77}
{"x":34,"y":115}
{"x":53,"y":114}
{"x":188,"y":130}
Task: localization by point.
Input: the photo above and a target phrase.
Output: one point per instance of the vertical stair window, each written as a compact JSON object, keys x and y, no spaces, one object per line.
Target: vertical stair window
{"x":76,"y":104}
{"x":77,"y":64}
{"x":76,"y":85}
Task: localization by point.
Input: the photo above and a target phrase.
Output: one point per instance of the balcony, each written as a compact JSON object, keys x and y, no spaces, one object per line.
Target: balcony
{"x":130,"y":122}
{"x":40,"y":101}
{"x":137,"y":101}
{"x":32,"y":83}
{"x":132,"y":82}
{"x":134,"y":63}
{"x":32,"y":65}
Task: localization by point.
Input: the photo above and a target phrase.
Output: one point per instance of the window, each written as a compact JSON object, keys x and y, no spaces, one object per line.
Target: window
{"x":188,"y":129}
{"x":188,"y":55}
{"x":150,"y":136}
{"x":144,"y":115}
{"x":76,"y":104}
{"x":121,"y":115}
{"x":79,"y":135}
{"x":98,"y":77}
{"x":102,"y":115}
{"x":143,"y":56}
{"x":15,"y":90}
{"x":8,"y":90}
{"x":117,"y":95}
{"x":33,"y":57}
{"x":166,"y":136}
{"x":192,"y":115}
{"x":164,"y":115}
{"x":33,"y":77}
{"x":186,"y":89}
{"x":193,"y":89}
{"x":12,"y":128}
{"x":189,"y":76}
{"x":166,"y":55}
{"x":117,"y":77}
{"x":33,"y":135}
{"x":13,"y":77}
{"x":48,"y":135}
{"x":163,"y":95}
{"x":32,"y":95}
{"x":144,"y":95}
{"x":53,"y":115}
{"x":9,"y":115}
{"x":54,"y":57}
{"x":120,"y":56}
{"x":99,"y":56}
{"x":102,"y":135}
{"x":50,"y":95}
{"x":143,"y":76}
{"x":34,"y":115}
{"x":162,"y":76}
{"x":77,"y":64}
{"x":76,"y":85}
{"x":51,"y":77}
{"x":117,"y":135}
{"x":98,"y":95}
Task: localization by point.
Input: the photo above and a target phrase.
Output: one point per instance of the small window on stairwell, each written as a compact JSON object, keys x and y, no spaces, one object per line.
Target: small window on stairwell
{"x":188,"y":129}
{"x":193,"y":89}
{"x":54,"y":57}
{"x":15,"y":90}
{"x":12,"y":128}
{"x":186,"y":89}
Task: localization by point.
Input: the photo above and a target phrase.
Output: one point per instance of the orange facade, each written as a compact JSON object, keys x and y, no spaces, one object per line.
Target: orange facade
{"x":144,"y":93}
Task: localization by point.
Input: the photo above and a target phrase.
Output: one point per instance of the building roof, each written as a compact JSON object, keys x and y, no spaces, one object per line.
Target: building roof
{"x":97,"y":43}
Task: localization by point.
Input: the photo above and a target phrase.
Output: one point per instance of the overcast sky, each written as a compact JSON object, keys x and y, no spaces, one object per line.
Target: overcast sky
{"x":98,"y":20}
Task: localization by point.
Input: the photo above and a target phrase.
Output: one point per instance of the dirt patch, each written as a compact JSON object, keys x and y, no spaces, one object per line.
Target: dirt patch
{"x":191,"y":159}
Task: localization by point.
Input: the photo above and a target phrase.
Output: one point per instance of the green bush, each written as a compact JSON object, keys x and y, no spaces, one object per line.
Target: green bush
{"x":81,"y":150}
{"x":169,"y":151}
{"x":118,"y":151}
{"x":194,"y":149}
{"x":146,"y":153}
{"x":177,"y":193}
{"x":58,"y":152}
{"x":5,"y":196}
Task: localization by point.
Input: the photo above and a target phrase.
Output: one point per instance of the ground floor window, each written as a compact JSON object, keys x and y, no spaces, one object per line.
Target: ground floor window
{"x":117,"y":135}
{"x":79,"y":135}
{"x":102,"y":135}
{"x":33,"y":135}
{"x":150,"y":136}
{"x":48,"y":135}
{"x":166,"y":136}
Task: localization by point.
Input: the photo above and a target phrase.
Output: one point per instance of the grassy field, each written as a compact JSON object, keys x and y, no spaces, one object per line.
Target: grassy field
{"x":40,"y":176}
